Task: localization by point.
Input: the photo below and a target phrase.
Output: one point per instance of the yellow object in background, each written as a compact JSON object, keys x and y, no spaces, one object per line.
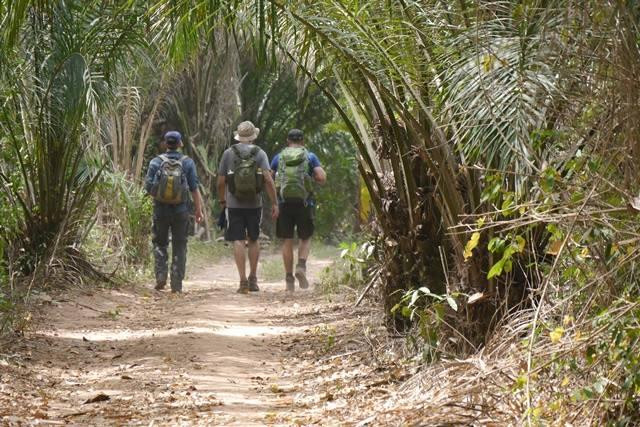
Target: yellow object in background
{"x":365,"y":202}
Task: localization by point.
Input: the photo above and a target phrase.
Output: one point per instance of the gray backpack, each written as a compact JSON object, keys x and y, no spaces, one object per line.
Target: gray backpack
{"x":170,"y":184}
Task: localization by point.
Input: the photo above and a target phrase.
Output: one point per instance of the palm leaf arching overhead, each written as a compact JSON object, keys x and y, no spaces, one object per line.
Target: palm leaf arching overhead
{"x":428,"y":87}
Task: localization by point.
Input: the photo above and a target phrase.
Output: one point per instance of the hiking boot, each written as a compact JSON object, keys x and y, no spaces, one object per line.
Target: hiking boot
{"x":301,"y":275}
{"x":253,"y":284}
{"x":160,"y":284}
{"x":291,"y":282}
{"x":244,"y":287}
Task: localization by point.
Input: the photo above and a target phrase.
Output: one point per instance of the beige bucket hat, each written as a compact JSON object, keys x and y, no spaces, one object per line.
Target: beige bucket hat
{"x":246,"y":132}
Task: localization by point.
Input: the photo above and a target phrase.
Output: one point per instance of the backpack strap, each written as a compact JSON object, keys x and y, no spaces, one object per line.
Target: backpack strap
{"x":246,"y":156}
{"x":166,"y":158}
{"x":237,"y":152}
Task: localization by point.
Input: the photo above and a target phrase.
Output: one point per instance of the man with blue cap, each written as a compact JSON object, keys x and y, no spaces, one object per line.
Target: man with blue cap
{"x":170,"y":179}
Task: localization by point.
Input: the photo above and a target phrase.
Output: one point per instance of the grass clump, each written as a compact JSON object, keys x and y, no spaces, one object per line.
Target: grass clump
{"x":202,"y":254}
{"x":272,"y":269}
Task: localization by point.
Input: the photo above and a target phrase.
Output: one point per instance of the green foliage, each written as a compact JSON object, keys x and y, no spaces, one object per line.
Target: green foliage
{"x":336,"y":212}
{"x":506,"y":249}
{"x":202,"y":254}
{"x":356,"y":259}
{"x":427,"y":310}
{"x":353,"y":268}
{"x":121,"y":235}
{"x":59,"y":82}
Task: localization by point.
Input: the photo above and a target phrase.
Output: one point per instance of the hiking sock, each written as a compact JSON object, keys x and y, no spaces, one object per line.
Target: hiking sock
{"x":301,"y":273}
{"x":290,"y":281}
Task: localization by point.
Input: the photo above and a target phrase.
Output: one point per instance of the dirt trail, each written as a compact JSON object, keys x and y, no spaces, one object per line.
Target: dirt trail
{"x":207,"y":357}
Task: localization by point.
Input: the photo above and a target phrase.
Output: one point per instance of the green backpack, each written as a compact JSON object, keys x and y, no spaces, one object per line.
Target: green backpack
{"x":293,"y":180}
{"x":245,"y":180}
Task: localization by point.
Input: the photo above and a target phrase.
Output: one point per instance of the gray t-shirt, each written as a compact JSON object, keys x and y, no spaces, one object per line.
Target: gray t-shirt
{"x":226,"y":164}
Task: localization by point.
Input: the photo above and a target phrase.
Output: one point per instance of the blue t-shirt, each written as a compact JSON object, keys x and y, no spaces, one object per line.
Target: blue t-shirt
{"x":189,"y":169}
{"x":314,"y":162}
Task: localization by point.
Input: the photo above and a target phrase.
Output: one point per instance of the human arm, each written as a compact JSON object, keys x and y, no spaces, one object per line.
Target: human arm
{"x":194,"y":184}
{"x":319,"y":175}
{"x":317,"y":172}
{"x":221,"y":180}
{"x":197,"y":204}
{"x":221,"y":184}
{"x":271,"y":191}
{"x":151,"y":173}
{"x":274,"y":165}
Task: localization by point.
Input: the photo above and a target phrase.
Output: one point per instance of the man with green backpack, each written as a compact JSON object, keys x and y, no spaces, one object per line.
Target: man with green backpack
{"x":170,"y":179}
{"x":242,"y":175}
{"x":296,"y":169}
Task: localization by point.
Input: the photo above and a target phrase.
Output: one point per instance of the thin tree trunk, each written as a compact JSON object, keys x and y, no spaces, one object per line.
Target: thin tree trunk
{"x":144,"y":136}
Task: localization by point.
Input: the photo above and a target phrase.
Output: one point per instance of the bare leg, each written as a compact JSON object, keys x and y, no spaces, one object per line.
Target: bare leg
{"x":287,"y":255}
{"x":304,"y":247}
{"x":301,"y":267}
{"x":254,"y":255}
{"x":239,"y":255}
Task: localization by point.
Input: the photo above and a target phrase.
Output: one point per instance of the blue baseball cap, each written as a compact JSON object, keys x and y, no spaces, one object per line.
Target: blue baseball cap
{"x":172,"y":137}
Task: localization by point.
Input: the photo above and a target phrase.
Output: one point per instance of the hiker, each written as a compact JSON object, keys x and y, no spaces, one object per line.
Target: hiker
{"x":170,"y":179}
{"x":242,"y":175}
{"x":295,"y":169}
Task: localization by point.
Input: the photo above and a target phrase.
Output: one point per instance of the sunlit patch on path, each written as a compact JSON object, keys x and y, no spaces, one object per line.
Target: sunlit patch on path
{"x":215,"y":328}
{"x":209,"y":356}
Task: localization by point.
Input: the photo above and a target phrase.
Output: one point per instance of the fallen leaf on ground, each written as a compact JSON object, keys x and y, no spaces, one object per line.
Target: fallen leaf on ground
{"x":98,"y":398}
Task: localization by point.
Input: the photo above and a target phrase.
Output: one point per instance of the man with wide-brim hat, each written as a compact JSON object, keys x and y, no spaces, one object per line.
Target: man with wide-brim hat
{"x":244,"y":204}
{"x":246,"y":132}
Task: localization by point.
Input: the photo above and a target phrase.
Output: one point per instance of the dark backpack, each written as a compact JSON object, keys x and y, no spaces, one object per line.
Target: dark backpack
{"x":245,"y":180}
{"x":170,"y":184}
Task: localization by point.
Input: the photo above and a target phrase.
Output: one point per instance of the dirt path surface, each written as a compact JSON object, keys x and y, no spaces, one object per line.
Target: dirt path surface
{"x":135,"y":356}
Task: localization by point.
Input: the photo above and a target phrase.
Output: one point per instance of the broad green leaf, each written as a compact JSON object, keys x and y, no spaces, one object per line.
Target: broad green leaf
{"x":496,"y":270}
{"x":495,"y":244}
{"x":508,"y":266}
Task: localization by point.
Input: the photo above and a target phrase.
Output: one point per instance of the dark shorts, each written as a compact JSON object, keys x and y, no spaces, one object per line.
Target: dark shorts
{"x":295,"y":217}
{"x":242,"y":224}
